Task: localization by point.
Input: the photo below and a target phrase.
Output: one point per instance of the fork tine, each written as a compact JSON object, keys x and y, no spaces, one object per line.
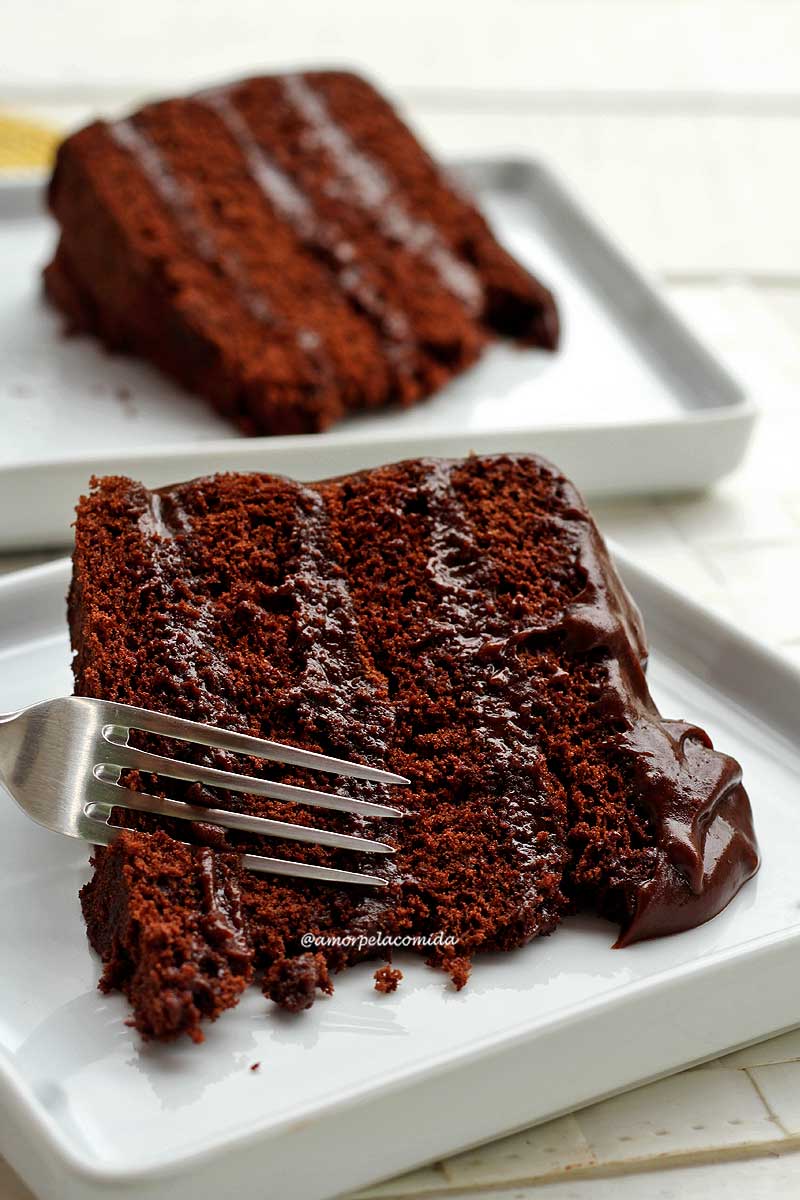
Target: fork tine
{"x":142,"y":760}
{"x":103,"y":834}
{"x":280,"y":866}
{"x":143,"y":802}
{"x":130,"y":717}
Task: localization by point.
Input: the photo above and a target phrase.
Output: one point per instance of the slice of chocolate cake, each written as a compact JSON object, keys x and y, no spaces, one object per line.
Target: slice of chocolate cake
{"x":167,"y":921}
{"x":284,"y":247}
{"x":458,"y":623}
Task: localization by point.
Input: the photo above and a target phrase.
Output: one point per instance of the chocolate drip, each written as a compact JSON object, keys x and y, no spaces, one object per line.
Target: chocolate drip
{"x":280,"y":190}
{"x":332,"y":692}
{"x":222,"y":922}
{"x":471,"y":630}
{"x":177,"y":197}
{"x":357,"y":278}
{"x":165,"y":519}
{"x":363,"y":181}
{"x":186,"y":626}
{"x":692,"y":793}
{"x":703,"y":819}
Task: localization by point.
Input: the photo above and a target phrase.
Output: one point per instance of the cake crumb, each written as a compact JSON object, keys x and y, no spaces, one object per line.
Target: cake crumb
{"x":387,"y":979}
{"x":458,"y":969}
{"x":292,"y":983}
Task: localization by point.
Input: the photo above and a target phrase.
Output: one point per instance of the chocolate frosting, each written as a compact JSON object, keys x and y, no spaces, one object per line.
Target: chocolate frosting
{"x":222,"y":922}
{"x":705,"y":846}
{"x":692,"y":793}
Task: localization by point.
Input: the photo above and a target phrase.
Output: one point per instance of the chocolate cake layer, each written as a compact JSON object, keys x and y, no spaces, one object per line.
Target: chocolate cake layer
{"x":456,"y":622}
{"x":284,"y":247}
{"x":167,"y":921}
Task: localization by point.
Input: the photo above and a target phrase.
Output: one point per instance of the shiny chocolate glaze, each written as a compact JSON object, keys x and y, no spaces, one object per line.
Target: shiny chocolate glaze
{"x":693,"y":794}
{"x":704,"y":843}
{"x":222,"y":922}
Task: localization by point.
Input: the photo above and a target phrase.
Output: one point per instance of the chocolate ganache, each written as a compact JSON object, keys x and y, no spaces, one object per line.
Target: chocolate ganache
{"x":693,"y":793}
{"x":458,"y":622}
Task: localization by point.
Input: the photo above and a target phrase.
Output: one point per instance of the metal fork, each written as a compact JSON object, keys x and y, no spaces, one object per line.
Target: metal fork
{"x":61,"y":762}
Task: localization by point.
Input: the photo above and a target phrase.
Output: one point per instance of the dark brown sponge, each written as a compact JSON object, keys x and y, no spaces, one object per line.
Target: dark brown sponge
{"x":457,"y":622}
{"x":284,"y":247}
{"x":167,"y":921}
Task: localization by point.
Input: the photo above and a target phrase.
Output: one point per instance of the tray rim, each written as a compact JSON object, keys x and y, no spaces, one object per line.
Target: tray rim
{"x":247,"y":447}
{"x":30,"y":1113}
{"x":594,"y":229}
{"x":717,"y":442}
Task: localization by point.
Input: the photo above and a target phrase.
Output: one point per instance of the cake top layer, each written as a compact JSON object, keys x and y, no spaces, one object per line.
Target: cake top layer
{"x":458,"y":622}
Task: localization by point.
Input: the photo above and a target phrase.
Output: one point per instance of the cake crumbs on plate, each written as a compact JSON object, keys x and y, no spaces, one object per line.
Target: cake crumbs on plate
{"x":293,"y":983}
{"x":387,"y":978}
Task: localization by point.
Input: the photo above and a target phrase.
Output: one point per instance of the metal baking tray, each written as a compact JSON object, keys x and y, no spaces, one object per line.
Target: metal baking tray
{"x":631,"y":402}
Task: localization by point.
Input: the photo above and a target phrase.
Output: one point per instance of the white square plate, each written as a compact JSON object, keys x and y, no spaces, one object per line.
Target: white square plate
{"x":364,"y":1086}
{"x":630,"y":402}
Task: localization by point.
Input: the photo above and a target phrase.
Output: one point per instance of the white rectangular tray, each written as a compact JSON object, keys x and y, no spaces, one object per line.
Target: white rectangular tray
{"x":364,"y":1086}
{"x":631,"y":401}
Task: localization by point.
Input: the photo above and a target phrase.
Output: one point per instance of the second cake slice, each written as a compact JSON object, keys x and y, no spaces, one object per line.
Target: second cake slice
{"x":284,"y":247}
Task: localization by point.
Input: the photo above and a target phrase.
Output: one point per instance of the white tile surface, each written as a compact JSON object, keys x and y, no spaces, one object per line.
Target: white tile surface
{"x":414,"y":1183}
{"x":791,"y":502}
{"x":686,"y":1114}
{"x":773,"y":1178}
{"x":721,"y":519}
{"x":782,"y":1049}
{"x":779,"y":1084}
{"x":537,"y":1153}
